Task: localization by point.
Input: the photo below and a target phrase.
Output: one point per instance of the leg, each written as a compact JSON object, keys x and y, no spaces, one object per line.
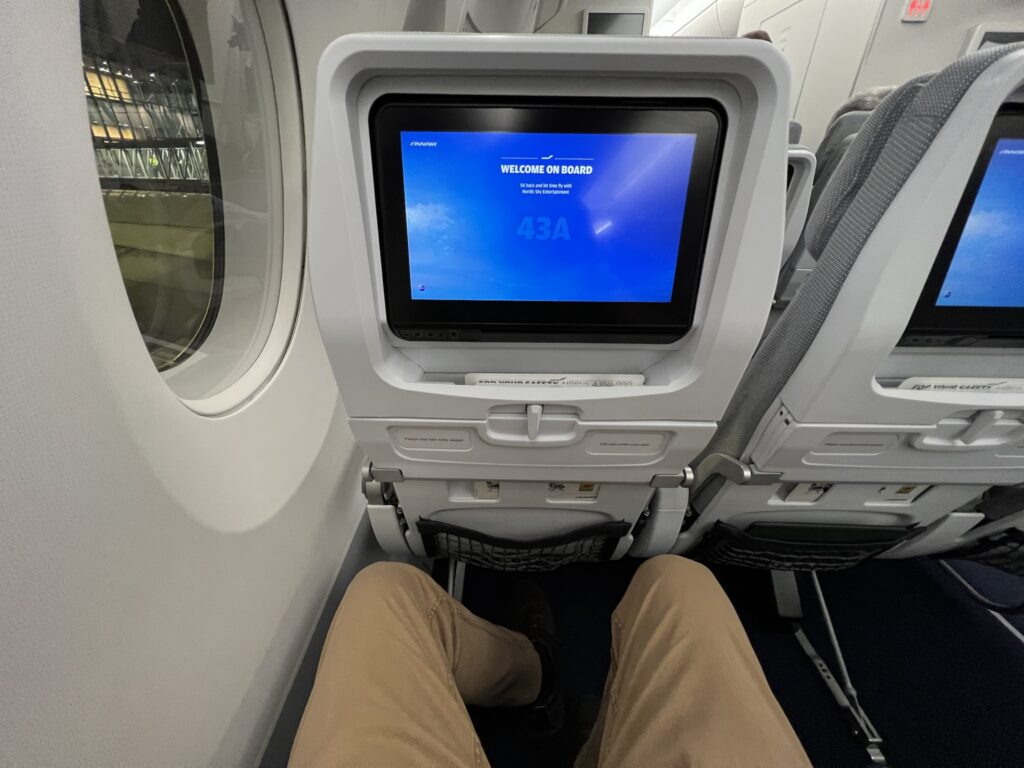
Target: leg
{"x":400,"y":659}
{"x":684,"y":686}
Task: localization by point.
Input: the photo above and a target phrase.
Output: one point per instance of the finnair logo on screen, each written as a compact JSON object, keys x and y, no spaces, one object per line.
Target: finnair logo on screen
{"x":422,"y":143}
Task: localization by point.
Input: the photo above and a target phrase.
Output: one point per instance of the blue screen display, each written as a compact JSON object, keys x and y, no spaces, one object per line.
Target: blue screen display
{"x":495,"y":216}
{"x":987,"y":269}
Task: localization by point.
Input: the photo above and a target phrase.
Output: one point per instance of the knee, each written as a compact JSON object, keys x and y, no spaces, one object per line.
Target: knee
{"x":675,"y":570}
{"x":381,"y":581}
{"x":677,"y":581}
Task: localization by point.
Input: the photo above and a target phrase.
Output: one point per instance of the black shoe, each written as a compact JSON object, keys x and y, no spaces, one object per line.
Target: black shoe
{"x":528,"y":612}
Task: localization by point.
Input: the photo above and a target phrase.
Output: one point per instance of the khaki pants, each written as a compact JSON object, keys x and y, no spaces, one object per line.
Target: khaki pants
{"x":402,"y":659}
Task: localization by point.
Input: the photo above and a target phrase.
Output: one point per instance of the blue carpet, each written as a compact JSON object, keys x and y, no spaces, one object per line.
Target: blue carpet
{"x":942,"y":680}
{"x":998,"y":586}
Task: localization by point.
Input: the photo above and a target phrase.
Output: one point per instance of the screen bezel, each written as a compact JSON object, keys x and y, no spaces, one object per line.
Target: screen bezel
{"x":637,"y":322}
{"x":930,"y":320}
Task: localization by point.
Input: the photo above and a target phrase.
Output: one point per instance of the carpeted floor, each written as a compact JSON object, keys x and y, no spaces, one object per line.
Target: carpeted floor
{"x":941,"y":678}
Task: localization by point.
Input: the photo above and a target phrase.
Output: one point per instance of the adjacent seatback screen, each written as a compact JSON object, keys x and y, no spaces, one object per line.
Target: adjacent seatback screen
{"x":987,"y":269}
{"x":540,"y":219}
{"x":544,"y":216}
{"x":975,"y":291}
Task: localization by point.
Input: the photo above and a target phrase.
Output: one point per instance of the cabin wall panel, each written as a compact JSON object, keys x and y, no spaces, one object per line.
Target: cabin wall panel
{"x":900,"y":51}
{"x":160,"y":571}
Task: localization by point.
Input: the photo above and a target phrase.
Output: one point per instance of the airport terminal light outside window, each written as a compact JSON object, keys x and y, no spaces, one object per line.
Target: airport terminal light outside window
{"x":157,"y":163}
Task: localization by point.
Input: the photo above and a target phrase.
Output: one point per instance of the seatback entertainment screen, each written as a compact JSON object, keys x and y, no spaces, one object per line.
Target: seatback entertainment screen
{"x":544,"y":216}
{"x":540,"y":220}
{"x":987,"y":269}
{"x":975,"y":290}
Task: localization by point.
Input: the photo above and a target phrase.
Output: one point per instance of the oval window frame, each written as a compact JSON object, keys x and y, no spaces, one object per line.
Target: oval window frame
{"x":274,"y":30}
{"x":259,"y":252}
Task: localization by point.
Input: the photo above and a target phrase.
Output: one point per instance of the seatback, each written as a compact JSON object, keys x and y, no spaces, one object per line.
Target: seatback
{"x":799,"y":178}
{"x":500,"y":452}
{"x":823,"y":439}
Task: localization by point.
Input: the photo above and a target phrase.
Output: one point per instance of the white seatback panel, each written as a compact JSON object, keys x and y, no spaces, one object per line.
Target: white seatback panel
{"x":993,"y":452}
{"x":566,"y":448}
{"x":381,"y":376}
{"x":845,"y":386}
{"x":844,"y":444}
{"x":407,"y":402}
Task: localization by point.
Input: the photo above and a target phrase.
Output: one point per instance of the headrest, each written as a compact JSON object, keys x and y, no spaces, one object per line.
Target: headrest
{"x":865,"y":101}
{"x":845,"y":182}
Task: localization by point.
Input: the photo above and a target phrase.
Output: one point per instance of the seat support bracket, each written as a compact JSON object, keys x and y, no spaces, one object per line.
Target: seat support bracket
{"x":787,"y":598}
{"x":734,"y":471}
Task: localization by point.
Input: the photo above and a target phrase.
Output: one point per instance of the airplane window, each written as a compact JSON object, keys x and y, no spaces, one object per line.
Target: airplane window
{"x":157,"y":166}
{"x":198,"y":151}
